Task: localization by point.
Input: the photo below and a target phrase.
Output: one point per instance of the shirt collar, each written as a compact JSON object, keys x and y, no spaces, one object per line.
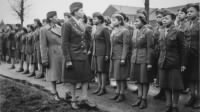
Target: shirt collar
{"x":76,"y":20}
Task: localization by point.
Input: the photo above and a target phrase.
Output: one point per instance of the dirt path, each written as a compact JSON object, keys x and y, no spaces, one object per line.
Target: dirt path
{"x":16,"y":97}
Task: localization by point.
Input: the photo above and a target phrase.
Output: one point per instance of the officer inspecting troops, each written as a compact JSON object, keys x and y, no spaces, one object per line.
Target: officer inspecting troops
{"x":78,"y":50}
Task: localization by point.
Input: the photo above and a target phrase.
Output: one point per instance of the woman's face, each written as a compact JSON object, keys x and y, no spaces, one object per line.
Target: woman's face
{"x":54,"y":19}
{"x":96,"y":21}
{"x":167,"y":21}
{"x":138,"y":23}
{"x":159,"y":18}
{"x":79,"y":13}
{"x":181,"y":15}
{"x":192,"y":13}
{"x":115,"y":21}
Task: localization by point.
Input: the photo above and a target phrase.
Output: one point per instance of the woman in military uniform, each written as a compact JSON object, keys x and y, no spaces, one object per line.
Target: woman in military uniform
{"x":37,"y":52}
{"x":11,"y":45}
{"x":192,"y":46}
{"x":142,"y":48}
{"x":171,"y":61}
{"x":100,"y":53}
{"x":119,"y":49}
{"x":76,"y":67}
{"x":21,"y":40}
{"x":51,"y":52}
{"x":30,"y":50}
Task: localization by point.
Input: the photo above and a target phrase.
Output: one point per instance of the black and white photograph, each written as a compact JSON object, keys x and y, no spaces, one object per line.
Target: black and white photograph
{"x":99,"y":56}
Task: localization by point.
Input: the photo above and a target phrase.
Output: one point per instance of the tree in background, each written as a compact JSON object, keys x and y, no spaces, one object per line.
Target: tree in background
{"x":20,"y":8}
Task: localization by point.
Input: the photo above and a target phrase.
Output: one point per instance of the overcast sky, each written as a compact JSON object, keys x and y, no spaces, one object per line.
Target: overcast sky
{"x":39,"y":8}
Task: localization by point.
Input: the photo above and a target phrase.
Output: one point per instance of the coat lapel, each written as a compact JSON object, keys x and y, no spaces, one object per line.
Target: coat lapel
{"x":170,"y":32}
{"x":75,"y":24}
{"x":56,"y":30}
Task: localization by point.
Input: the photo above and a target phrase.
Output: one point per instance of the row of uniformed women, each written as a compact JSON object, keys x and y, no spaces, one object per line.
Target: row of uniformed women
{"x":119,"y":50}
{"x":128,"y":51}
{"x":171,"y":45}
{"x":23,"y":46}
{"x":188,"y":23}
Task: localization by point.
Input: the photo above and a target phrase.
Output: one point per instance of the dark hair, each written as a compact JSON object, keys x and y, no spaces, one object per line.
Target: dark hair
{"x":44,"y":20}
{"x":161,"y":11}
{"x":196,"y":6}
{"x":142,"y":11}
{"x":10,"y":26}
{"x":73,"y":13}
{"x":99,"y":16}
{"x":31,"y":27}
{"x":183,"y":10}
{"x":124,"y":16}
{"x":142,"y":19}
{"x":85,"y":19}
{"x":24,"y":29}
{"x":67,"y":14}
{"x":18,"y":25}
{"x":173,"y":16}
{"x":60,"y":22}
{"x":107,"y":20}
{"x":38,"y":22}
{"x":119,"y":18}
{"x":90,"y":20}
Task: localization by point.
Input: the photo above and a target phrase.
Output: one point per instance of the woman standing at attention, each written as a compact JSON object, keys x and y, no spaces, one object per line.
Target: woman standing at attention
{"x":142,"y":48}
{"x":119,"y":50}
{"x":51,"y":52}
{"x":100,"y":53}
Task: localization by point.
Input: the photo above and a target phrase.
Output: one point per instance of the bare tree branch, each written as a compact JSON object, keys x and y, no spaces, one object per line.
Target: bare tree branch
{"x":20,"y":8}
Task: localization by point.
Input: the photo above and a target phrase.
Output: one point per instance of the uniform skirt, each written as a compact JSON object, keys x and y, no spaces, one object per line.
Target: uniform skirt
{"x":118,"y":71}
{"x":171,"y":79}
{"x":18,"y":54}
{"x":29,"y":58}
{"x":11,"y":53}
{"x":140,"y":74}
{"x":80,"y":72}
{"x":192,"y":69}
{"x":99,"y":64}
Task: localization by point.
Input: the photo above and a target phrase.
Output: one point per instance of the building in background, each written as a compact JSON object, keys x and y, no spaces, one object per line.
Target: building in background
{"x":128,"y":10}
{"x":131,"y":11}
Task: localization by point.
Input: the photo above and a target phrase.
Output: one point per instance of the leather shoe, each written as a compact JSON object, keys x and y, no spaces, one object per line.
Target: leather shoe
{"x":32,"y":74}
{"x":120,"y":98}
{"x":143,"y":104}
{"x":26,"y":72}
{"x":137,"y":103}
{"x":191,"y":102}
{"x":101,"y":92}
{"x":114,"y":97}
{"x":20,"y":70}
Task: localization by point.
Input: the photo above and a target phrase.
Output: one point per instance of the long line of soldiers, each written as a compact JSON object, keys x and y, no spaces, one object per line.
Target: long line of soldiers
{"x":20,"y":44}
{"x":69,"y":50}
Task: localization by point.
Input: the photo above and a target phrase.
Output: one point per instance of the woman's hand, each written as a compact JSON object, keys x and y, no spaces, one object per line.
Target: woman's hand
{"x":122,"y":62}
{"x":183,"y":68}
{"x":149,"y":66}
{"x":89,"y":52}
{"x":106,"y":58}
{"x":69,"y":65}
{"x":46,"y":64}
